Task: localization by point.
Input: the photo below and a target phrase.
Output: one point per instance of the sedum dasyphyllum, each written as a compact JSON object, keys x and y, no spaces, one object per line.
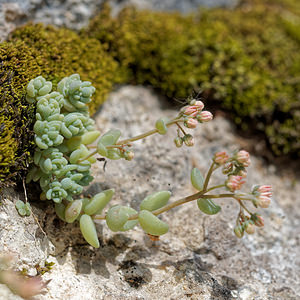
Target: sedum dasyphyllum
{"x":63,"y":157}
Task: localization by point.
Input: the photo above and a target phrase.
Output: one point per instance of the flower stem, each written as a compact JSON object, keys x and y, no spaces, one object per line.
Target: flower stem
{"x":215,"y":187}
{"x":182,"y":130}
{"x":148,"y":133}
{"x":174,"y":204}
{"x":209,"y":173}
{"x":133,"y":139}
{"x":244,"y":206}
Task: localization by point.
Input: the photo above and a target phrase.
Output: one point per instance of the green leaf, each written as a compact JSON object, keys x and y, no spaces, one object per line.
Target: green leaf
{"x":208,"y":206}
{"x":110,"y":138}
{"x":116,"y":218}
{"x":129,"y":224}
{"x":19,"y":204}
{"x":101,"y":149}
{"x":197,"y":179}
{"x":114,"y":154}
{"x":88,"y":230}
{"x":98,"y":202}
{"x":152,"y":224}
{"x":89,"y":137}
{"x":60,"y":211}
{"x":155,"y":201}
{"x":75,"y":156}
{"x":73,"y":210}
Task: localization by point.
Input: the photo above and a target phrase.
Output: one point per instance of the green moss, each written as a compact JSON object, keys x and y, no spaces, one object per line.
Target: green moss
{"x":64,"y":52}
{"x":247,"y":59}
{"x":18,"y":65}
{"x":35,"y":50}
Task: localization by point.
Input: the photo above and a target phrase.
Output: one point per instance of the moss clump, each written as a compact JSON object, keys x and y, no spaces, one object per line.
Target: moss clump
{"x":247,"y":59}
{"x":35,"y":50}
{"x":64,"y":52}
{"x":151,"y":47}
{"x":18,"y":64}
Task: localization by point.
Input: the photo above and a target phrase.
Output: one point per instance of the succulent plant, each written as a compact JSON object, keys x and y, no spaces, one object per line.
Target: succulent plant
{"x":63,"y":158}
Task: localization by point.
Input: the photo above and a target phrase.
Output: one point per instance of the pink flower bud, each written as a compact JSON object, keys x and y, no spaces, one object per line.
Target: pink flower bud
{"x":221,"y":158}
{"x":264,"y":189}
{"x":243,"y":157}
{"x":242,"y":173}
{"x":189,"y":140}
{"x":178,"y":142}
{"x":250,"y":228}
{"x":190,"y":110}
{"x":263,"y":201}
{"x":234,"y":182}
{"x":205,"y":116}
{"x":191,"y":123}
{"x":238,"y":231}
{"x":199,"y":105}
{"x":263,"y":195}
{"x":258,"y":220}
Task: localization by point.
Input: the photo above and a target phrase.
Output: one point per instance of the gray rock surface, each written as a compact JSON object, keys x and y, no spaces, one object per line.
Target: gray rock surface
{"x":76,"y":13}
{"x":199,"y":258}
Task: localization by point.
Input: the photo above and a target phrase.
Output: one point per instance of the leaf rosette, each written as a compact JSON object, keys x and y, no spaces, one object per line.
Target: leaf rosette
{"x":47,"y":134}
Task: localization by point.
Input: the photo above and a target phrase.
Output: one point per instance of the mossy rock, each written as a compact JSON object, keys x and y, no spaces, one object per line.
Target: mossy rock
{"x":35,"y":50}
{"x":18,"y":65}
{"x":247,"y":59}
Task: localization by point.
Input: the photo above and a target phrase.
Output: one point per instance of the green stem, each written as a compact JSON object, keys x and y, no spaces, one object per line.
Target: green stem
{"x":182,"y":130}
{"x":244,"y":206}
{"x":174,"y":204}
{"x":133,"y":139}
{"x":210,"y":171}
{"x":148,"y":133}
{"x":87,"y":157}
{"x":215,"y":187}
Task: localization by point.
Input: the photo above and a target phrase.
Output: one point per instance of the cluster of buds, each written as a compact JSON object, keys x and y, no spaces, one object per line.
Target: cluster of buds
{"x":192,"y":114}
{"x":243,"y":158}
{"x":187,"y":139}
{"x":247,"y":224}
{"x":262,"y":195}
{"x":234,"y":167}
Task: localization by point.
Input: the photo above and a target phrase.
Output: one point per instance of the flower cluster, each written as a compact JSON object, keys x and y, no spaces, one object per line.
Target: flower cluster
{"x":262,"y":195}
{"x":191,"y":114}
{"x":234,"y":167}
